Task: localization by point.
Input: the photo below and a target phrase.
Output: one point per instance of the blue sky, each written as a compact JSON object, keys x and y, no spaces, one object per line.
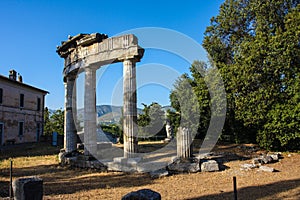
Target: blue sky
{"x":31,"y":30}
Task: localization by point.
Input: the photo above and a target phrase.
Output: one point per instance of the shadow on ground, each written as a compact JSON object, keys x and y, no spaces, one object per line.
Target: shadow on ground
{"x":28,"y":149}
{"x":58,"y":180}
{"x":258,"y":192}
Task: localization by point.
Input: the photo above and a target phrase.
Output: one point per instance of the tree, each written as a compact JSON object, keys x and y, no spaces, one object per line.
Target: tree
{"x":57,"y":120}
{"x":255,"y":46}
{"x":151,"y":122}
{"x":184,"y":100}
{"x":47,"y":122}
{"x":53,"y":122}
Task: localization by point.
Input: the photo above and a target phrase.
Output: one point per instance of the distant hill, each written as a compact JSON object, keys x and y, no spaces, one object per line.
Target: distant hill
{"x":107,"y":114}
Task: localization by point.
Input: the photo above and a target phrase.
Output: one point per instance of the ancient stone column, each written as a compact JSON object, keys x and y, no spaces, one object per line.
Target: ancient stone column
{"x":129,"y":109}
{"x":184,"y":142}
{"x":70,"y":137}
{"x":90,"y":126}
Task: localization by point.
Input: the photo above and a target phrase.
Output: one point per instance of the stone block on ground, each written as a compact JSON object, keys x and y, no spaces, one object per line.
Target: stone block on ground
{"x":266,"y":159}
{"x":159,"y":173}
{"x":256,"y":161}
{"x":184,"y":167}
{"x":209,"y":166}
{"x":144,"y":194}
{"x":266,"y":169}
{"x":248,"y":166}
{"x":150,"y":166}
{"x":120,"y":167}
{"x":275,"y":156}
{"x":28,"y":188}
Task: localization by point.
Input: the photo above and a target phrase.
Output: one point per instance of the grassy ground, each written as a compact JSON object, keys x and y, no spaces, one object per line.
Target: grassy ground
{"x":65,"y":183}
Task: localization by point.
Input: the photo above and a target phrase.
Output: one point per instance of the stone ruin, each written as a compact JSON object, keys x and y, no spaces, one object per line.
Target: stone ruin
{"x":85,"y":53}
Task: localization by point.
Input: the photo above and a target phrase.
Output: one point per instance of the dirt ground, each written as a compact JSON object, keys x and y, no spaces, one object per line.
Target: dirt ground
{"x":65,"y":183}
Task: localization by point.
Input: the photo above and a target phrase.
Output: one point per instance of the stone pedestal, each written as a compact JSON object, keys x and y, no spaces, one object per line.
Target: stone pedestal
{"x":90,"y":126}
{"x":129,"y":109}
{"x":70,"y":138}
{"x":28,"y":188}
{"x":184,"y":142}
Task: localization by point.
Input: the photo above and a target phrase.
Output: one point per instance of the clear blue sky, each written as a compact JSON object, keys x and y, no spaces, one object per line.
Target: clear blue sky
{"x":31,"y":30}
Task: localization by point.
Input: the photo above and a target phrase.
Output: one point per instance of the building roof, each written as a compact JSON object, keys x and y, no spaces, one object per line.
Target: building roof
{"x":22,"y":84}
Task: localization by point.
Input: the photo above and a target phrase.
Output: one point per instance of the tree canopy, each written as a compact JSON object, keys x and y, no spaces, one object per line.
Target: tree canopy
{"x":255,"y":46}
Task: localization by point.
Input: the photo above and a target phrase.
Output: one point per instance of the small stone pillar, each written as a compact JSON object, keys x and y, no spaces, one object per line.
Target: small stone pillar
{"x":90,"y":123}
{"x":129,"y":109}
{"x":70,"y":137}
{"x":28,"y":188}
{"x":184,"y":142}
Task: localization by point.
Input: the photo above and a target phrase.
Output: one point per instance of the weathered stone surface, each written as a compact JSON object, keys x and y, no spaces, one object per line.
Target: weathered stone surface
{"x":28,"y":188}
{"x":256,"y":161}
{"x":129,"y":109}
{"x":266,"y":159}
{"x":104,"y":145}
{"x":144,"y":194}
{"x":184,"y":167}
{"x":70,"y":138}
{"x":275,"y":156}
{"x":61,"y":157}
{"x":88,"y":52}
{"x":184,"y":142}
{"x":248,"y":166}
{"x":266,"y":169}
{"x":159,"y":173}
{"x":209,"y":166}
{"x":150,"y":166}
{"x":90,"y":128}
{"x":119,"y":167}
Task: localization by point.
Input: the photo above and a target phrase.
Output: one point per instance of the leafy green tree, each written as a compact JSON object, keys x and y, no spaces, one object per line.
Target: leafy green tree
{"x":151,"y":122}
{"x":195,"y":96}
{"x":255,"y":46}
{"x":53,"y":122}
{"x":47,"y":123}
{"x":57,"y":121}
{"x":184,"y":100}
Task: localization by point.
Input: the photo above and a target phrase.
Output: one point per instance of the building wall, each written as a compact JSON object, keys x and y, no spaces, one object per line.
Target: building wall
{"x":11,"y":114}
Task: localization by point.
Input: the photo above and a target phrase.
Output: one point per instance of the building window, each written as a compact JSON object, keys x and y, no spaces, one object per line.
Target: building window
{"x":1,"y":133}
{"x":1,"y":95}
{"x":21,"y":128}
{"x":38,"y":104}
{"x":22,"y":100}
{"x":38,"y":131}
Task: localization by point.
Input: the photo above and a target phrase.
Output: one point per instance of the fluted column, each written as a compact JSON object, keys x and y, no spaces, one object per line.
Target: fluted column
{"x":129,"y":109}
{"x":70,"y":137}
{"x":184,"y":142}
{"x":90,"y":126}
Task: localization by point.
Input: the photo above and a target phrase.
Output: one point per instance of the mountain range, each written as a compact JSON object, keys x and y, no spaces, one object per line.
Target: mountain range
{"x":107,"y":114}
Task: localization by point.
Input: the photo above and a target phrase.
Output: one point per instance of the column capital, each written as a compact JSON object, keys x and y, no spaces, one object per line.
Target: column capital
{"x":93,"y":66}
{"x":70,"y":77}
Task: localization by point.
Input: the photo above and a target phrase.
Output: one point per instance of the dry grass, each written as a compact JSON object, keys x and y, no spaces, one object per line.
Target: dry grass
{"x":64,"y":183}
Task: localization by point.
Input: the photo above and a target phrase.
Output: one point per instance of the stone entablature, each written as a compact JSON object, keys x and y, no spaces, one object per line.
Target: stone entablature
{"x":96,"y":49}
